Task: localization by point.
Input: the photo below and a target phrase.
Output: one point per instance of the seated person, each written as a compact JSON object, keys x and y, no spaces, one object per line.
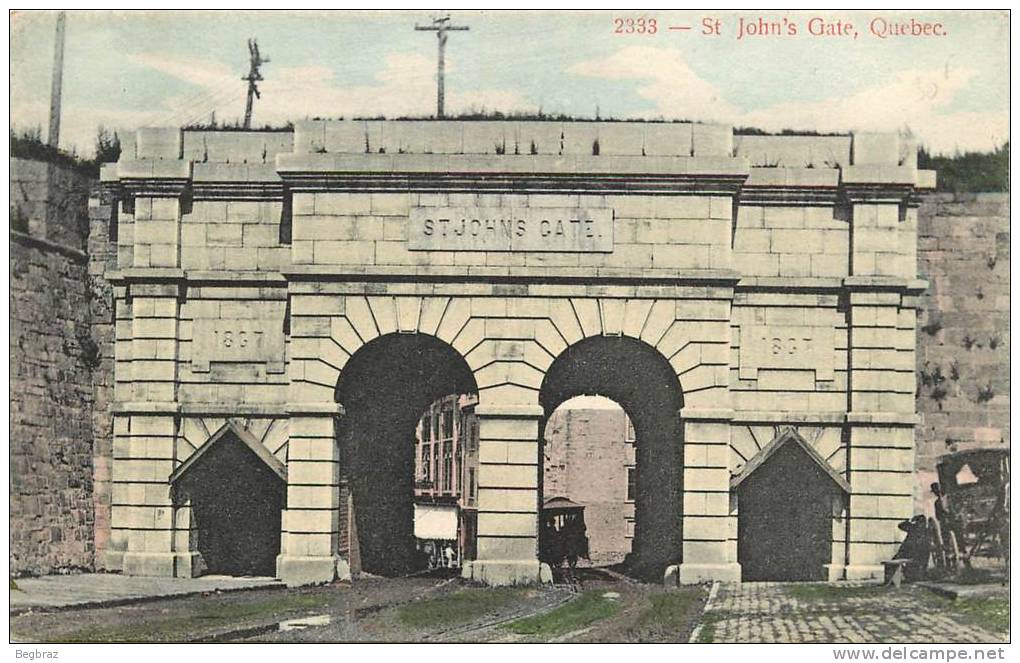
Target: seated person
{"x":914,"y":548}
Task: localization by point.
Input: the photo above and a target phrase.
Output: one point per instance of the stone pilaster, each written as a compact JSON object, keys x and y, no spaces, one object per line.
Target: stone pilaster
{"x":310,"y":539}
{"x":709,"y":522}
{"x":159,"y":192}
{"x":142,"y":511}
{"x":880,"y":420}
{"x":507,"y":495}
{"x":144,"y":458}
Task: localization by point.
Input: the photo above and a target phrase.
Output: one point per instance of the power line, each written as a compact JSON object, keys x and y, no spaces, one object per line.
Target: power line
{"x":440,"y":25}
{"x":184,"y":103}
{"x":203,"y":101}
{"x":254,"y":75}
{"x":199,"y":111}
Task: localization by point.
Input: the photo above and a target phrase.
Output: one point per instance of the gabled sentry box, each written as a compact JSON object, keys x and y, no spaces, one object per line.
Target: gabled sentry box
{"x":314,"y":287}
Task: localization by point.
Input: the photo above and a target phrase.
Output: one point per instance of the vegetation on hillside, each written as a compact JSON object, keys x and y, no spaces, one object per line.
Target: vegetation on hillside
{"x":236,"y":125}
{"x":969,"y":172}
{"x":28,"y":144}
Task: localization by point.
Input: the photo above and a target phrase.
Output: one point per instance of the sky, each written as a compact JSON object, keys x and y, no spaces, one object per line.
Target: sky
{"x":163,"y":68}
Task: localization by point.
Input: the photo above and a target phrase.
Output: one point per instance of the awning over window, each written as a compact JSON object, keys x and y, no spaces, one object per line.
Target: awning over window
{"x":433,"y":521}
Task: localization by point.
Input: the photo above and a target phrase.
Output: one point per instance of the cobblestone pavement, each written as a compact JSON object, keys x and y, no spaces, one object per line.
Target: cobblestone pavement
{"x":851,"y":613}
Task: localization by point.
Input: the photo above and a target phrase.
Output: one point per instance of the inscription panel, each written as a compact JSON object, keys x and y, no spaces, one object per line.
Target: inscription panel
{"x":564,"y":229}
{"x":796,"y":348}
{"x":237,"y":340}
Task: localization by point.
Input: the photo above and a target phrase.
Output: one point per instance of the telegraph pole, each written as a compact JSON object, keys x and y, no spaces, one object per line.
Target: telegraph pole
{"x":53,"y":138}
{"x":254,"y":75}
{"x":440,"y":26}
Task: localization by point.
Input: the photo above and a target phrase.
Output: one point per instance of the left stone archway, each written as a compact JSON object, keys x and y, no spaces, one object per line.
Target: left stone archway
{"x":384,"y":389}
{"x":329,"y":327}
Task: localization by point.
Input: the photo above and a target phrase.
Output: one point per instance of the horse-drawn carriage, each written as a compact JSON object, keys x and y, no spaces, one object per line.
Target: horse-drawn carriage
{"x":974,"y":509}
{"x":563,"y":537}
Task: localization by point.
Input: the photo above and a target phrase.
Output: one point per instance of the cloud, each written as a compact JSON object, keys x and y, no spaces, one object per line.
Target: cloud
{"x":912,"y":99}
{"x":200,"y":72}
{"x":666,"y":80}
{"x":915,"y":99}
{"x":404,"y":86}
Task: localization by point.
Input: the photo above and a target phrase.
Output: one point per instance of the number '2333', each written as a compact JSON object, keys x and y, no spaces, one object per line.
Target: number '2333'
{"x":642,"y":26}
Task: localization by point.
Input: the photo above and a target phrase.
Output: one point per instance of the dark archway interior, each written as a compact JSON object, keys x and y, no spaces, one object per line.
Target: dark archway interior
{"x":643,"y":383}
{"x":785,"y":519}
{"x":236,"y":502}
{"x":385,"y":387}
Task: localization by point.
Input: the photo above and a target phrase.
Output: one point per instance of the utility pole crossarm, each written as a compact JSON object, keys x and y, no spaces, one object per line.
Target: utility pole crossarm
{"x":254,"y":75}
{"x":440,"y":26}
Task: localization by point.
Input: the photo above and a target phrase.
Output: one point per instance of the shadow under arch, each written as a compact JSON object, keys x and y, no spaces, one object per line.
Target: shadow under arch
{"x":638,"y":378}
{"x":385,"y":387}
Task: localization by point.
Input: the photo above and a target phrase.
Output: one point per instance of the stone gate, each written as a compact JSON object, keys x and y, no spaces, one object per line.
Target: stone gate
{"x":279,"y":294}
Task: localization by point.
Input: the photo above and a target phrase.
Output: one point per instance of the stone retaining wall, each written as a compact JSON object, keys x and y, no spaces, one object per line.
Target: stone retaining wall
{"x":53,"y":362}
{"x":963,"y":337}
{"x":52,"y":358}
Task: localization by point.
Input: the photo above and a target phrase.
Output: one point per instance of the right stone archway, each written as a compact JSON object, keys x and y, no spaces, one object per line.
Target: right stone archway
{"x":638,"y":378}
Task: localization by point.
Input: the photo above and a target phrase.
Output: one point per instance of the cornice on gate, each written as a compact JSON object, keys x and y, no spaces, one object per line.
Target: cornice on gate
{"x":512,"y":173}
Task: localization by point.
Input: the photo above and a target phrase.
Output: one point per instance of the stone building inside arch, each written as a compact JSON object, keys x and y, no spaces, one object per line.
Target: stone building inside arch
{"x":289,"y":304}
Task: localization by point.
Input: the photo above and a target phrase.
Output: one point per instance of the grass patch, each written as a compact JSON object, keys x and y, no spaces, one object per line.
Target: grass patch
{"x":708,"y":622}
{"x":14,"y":586}
{"x":586,"y":609}
{"x":462,"y":606}
{"x":200,"y":620}
{"x":670,"y":613}
{"x":835,"y":592}
{"x":990,"y":613}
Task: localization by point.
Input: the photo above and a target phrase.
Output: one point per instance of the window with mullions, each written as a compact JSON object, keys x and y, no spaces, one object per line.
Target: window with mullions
{"x":447,"y":482}
{"x":447,"y":429}
{"x":426,"y":463}
{"x":631,"y":483}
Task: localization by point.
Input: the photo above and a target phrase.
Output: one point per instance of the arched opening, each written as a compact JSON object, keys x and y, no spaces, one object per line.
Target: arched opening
{"x":637,"y":378}
{"x":385,"y":388}
{"x":788,"y":497}
{"x":589,"y":461}
{"x":236,"y":490}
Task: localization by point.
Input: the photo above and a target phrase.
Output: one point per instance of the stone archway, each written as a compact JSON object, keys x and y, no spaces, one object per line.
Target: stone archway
{"x":384,"y":388}
{"x":642,"y":382}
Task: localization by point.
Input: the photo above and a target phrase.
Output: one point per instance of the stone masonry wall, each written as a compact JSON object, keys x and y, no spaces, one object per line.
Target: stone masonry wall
{"x":48,"y":201}
{"x":52,"y":360}
{"x":963,"y":336}
{"x":102,"y":256}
